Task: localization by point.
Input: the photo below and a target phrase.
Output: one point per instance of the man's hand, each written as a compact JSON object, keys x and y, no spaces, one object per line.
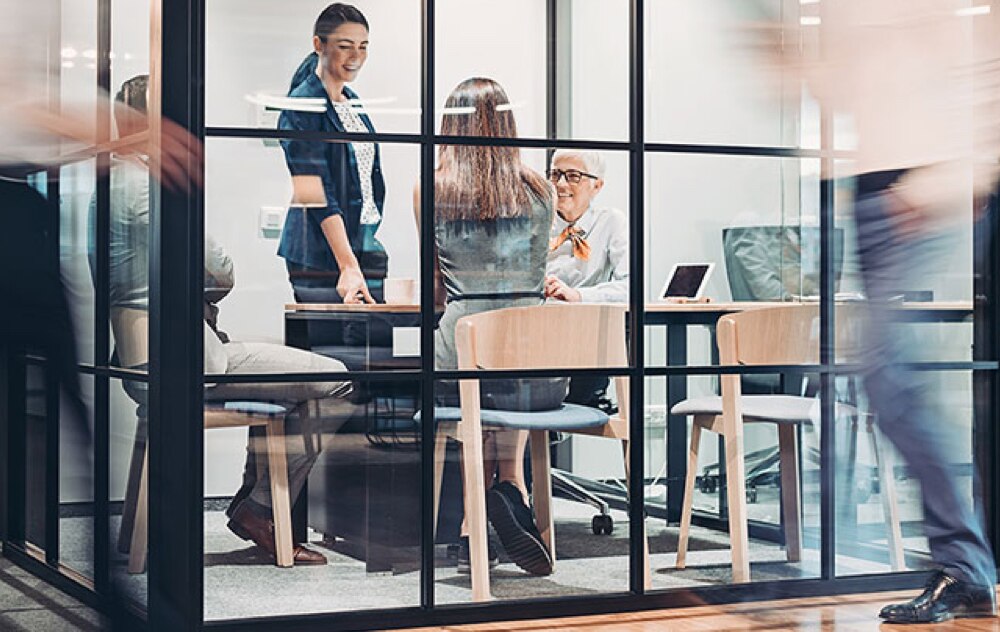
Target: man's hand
{"x":352,"y":287}
{"x":554,"y":288}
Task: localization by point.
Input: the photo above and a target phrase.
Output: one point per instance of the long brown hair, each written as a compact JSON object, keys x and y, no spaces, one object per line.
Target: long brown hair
{"x":483,"y":183}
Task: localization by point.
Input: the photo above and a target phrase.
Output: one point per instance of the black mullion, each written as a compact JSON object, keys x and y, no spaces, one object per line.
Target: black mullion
{"x":637,"y":338}
{"x":52,"y":386}
{"x":15,"y":392}
{"x":427,"y":313}
{"x":176,"y":433}
{"x":52,"y":465}
{"x":827,"y":358}
{"x":102,"y":342}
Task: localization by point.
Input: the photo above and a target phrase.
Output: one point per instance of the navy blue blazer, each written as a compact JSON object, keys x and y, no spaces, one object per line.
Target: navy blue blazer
{"x":302,"y":240}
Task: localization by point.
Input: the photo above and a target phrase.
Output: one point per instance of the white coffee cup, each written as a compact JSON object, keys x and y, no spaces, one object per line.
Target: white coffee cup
{"x":400,"y":291}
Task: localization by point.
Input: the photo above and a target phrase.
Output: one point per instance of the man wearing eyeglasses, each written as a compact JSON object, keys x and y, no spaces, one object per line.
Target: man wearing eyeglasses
{"x":588,"y":250}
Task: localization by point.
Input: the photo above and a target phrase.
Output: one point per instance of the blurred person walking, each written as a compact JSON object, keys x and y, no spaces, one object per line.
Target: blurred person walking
{"x":919,"y":80}
{"x":38,"y":134}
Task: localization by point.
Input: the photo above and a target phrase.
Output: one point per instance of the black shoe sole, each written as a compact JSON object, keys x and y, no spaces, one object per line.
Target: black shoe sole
{"x":941,"y":619}
{"x":465,"y":568}
{"x":523,"y":547}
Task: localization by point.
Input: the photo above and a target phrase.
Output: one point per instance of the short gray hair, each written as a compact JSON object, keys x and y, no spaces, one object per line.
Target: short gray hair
{"x":592,"y":159}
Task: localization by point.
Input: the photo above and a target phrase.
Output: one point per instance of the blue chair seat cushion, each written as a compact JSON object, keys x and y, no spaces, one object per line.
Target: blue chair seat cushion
{"x":566,"y":417}
{"x":264,"y":409}
{"x":774,"y":408}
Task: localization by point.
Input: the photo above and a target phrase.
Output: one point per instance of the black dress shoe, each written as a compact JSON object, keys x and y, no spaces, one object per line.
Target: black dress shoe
{"x":463,"y":564}
{"x":943,"y":599}
{"x":249,"y":524}
{"x":515,"y":525}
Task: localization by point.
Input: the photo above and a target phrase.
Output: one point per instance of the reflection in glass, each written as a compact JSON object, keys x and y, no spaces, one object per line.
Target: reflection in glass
{"x":76,"y":484}
{"x":880,"y":518}
{"x":359,"y":532}
{"x":248,"y":87}
{"x":127,"y":449}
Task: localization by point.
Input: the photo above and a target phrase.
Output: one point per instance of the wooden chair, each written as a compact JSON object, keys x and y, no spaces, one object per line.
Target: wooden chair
{"x":554,"y":336}
{"x":131,"y":333}
{"x":775,"y":335}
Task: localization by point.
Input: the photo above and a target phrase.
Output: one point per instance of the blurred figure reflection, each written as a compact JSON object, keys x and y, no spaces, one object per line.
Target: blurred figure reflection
{"x":129,"y":253}
{"x":919,"y":79}
{"x":492,"y":218}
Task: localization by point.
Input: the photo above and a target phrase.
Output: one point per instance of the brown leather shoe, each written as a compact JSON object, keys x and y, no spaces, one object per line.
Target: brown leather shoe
{"x":248,"y":525}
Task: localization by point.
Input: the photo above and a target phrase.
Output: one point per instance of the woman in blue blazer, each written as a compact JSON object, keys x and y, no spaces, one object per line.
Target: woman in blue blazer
{"x":328,"y":241}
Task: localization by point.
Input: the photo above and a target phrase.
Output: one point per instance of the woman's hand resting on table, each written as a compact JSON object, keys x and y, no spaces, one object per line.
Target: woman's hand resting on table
{"x":554,"y":288}
{"x":352,"y":287}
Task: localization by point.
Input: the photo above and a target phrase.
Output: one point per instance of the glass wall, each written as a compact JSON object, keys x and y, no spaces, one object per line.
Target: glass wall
{"x":463,"y":285}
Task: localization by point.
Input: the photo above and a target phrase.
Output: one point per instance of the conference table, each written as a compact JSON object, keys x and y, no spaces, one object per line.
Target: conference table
{"x":677,"y":318}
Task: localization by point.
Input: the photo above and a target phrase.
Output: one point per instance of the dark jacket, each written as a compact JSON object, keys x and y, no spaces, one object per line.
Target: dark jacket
{"x":302,"y":240}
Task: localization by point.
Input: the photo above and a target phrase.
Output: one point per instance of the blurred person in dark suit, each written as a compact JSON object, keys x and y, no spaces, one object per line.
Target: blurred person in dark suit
{"x":918,"y":79}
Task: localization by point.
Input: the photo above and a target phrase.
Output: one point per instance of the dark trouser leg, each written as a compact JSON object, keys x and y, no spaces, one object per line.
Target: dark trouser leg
{"x":584,"y":390}
{"x":902,"y":399}
{"x":302,"y":448}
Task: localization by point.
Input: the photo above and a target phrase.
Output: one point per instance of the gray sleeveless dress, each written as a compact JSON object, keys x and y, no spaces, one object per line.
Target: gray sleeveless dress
{"x":487,"y":266}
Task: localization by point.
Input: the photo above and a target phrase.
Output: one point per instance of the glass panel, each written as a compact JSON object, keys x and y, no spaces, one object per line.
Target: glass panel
{"x":773,"y":453}
{"x":711,"y":53}
{"x":359,"y":453}
{"x":274,"y":242}
{"x":251,"y":61}
{"x":880,"y":517}
{"x":489,"y":264}
{"x":36,"y":414}
{"x":76,"y":482}
{"x":508,"y":47}
{"x":587,"y":487}
{"x":128,"y":427}
{"x":76,"y":193}
{"x":129,"y":41}
{"x":591,"y":69}
{"x":755,"y":219}
{"x":78,"y":52}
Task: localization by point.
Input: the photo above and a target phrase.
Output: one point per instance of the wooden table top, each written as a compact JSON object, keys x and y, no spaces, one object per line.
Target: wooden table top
{"x":735,"y":306}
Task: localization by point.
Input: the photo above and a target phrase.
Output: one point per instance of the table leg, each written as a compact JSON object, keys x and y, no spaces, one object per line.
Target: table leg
{"x":676,"y":424}
{"x":297,"y":333}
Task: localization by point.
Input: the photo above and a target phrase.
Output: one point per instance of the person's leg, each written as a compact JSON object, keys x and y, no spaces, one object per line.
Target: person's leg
{"x":301,"y":450}
{"x":510,"y":449}
{"x":588,"y":391}
{"x":903,"y":401}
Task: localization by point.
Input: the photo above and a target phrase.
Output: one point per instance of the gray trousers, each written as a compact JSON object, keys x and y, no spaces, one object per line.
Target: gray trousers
{"x":305,"y":421}
{"x":904,"y":403}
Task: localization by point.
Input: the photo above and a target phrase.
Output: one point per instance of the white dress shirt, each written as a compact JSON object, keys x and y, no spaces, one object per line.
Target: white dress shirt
{"x":603,"y":278}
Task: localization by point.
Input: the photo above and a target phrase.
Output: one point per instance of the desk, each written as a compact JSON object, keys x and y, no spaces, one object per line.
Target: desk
{"x":676,"y":317}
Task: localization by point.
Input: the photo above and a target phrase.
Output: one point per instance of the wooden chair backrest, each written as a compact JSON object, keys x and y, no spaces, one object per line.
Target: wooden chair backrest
{"x":551,"y":336}
{"x":787,"y":335}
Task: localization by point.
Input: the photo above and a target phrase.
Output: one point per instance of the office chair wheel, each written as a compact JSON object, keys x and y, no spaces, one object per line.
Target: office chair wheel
{"x":602,"y":524}
{"x":707,"y":484}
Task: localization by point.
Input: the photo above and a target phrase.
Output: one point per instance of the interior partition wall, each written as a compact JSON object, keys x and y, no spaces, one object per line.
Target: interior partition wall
{"x":665,"y":163}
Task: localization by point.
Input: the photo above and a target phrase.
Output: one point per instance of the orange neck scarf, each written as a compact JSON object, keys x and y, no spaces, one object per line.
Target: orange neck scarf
{"x":581,"y":249}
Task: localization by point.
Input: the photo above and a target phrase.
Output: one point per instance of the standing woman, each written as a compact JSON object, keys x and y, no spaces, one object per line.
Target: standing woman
{"x":328,"y":241}
{"x":491,"y":222}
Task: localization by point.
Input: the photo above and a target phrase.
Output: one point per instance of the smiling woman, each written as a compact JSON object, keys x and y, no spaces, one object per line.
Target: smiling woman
{"x":328,"y":241}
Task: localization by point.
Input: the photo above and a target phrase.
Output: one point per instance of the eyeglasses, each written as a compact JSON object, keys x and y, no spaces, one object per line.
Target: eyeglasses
{"x":572,"y":176}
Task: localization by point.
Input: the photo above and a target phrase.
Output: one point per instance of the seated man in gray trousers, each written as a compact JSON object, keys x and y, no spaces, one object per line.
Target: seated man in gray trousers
{"x":250,"y":512}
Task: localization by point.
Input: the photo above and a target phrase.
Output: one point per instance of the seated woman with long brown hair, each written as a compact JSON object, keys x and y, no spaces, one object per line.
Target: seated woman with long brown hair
{"x":491,"y":222}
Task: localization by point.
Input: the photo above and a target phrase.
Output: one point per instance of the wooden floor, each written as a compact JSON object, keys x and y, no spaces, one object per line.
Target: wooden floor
{"x":850,"y":613}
